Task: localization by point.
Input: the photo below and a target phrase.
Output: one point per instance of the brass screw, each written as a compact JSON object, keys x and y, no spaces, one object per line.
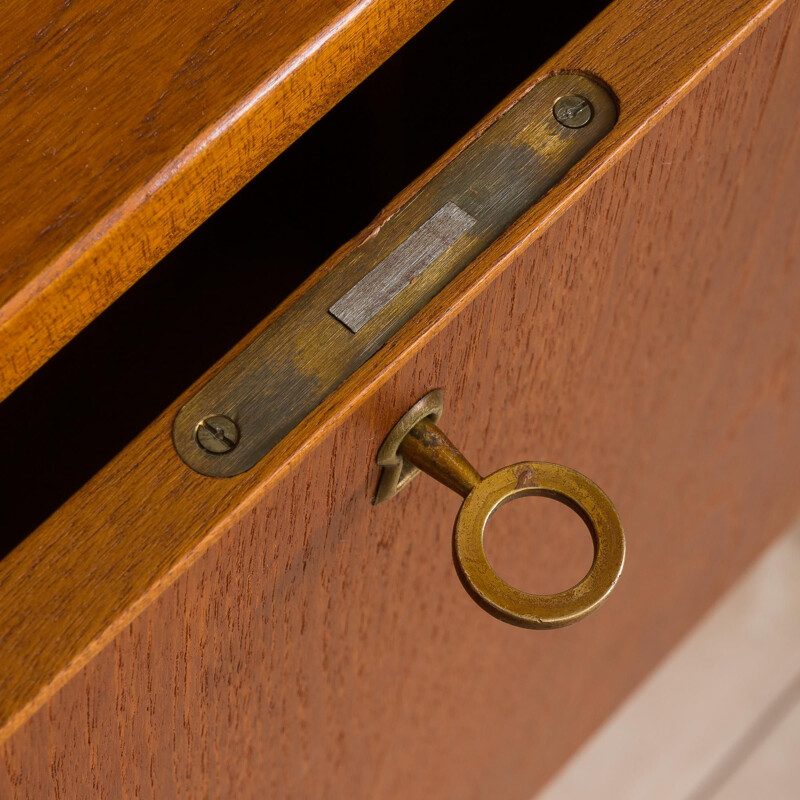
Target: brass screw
{"x":217,"y":434}
{"x":573,"y":111}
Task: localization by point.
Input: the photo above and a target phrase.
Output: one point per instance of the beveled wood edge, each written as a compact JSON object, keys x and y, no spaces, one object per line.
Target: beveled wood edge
{"x":642,"y":104}
{"x":235,"y":148}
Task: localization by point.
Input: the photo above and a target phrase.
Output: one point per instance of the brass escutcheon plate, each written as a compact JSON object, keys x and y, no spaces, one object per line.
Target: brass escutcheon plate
{"x":396,"y":472}
{"x":350,"y":313}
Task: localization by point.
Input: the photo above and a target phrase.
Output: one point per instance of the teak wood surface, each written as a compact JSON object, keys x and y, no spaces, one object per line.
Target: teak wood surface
{"x":126,"y":124}
{"x":166,"y":634}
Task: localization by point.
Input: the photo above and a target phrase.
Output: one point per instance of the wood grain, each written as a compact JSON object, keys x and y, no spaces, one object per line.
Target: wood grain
{"x":168,"y":634}
{"x":127,"y":124}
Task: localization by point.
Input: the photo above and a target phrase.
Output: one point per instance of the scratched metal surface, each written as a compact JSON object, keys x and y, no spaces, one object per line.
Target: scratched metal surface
{"x":307,"y":352}
{"x":405,"y":263}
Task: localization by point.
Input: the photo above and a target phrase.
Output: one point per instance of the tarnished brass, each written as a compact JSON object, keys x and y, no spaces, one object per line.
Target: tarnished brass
{"x":567,"y":486}
{"x":427,"y":448}
{"x":350,"y":313}
{"x":397,"y":473}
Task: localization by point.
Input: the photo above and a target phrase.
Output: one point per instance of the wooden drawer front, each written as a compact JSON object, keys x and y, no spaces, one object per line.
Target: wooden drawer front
{"x":275,"y":634}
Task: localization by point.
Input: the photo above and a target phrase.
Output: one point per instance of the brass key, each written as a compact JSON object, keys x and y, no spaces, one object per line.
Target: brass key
{"x":416,"y":443}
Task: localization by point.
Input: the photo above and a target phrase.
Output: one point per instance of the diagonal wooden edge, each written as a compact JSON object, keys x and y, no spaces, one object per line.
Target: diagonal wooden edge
{"x":77,"y":279}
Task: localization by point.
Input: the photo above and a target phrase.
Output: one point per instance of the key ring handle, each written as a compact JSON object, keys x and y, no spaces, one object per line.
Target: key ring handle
{"x":559,"y":483}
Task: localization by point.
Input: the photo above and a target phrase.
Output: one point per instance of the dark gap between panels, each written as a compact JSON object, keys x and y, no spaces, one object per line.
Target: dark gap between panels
{"x":102,"y":389}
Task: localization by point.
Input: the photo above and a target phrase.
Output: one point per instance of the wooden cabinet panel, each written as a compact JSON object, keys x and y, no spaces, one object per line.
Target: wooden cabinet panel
{"x":129,"y":123}
{"x":277,"y":635}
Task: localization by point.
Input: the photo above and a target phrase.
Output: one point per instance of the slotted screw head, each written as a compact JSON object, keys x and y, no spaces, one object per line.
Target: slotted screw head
{"x":217,"y":434}
{"x":573,"y":111}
